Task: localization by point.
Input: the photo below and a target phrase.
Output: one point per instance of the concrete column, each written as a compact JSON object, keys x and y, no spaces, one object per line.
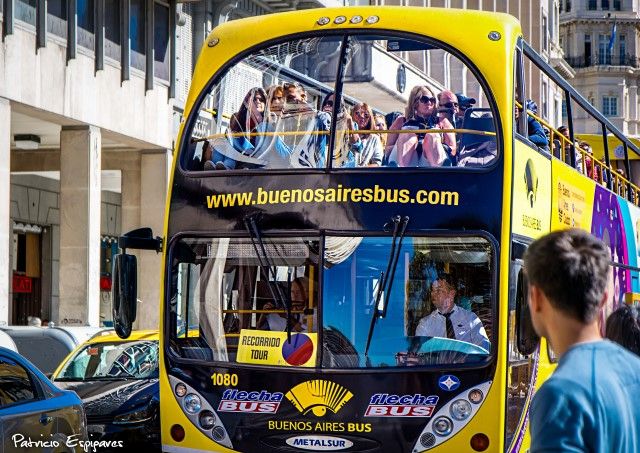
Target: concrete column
{"x":80,"y":191}
{"x":154,"y":179}
{"x":5,"y":219}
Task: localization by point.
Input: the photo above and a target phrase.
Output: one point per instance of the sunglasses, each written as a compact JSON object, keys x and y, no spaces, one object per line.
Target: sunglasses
{"x":259,"y":99}
{"x":427,"y":99}
{"x":450,"y":105}
{"x":328,"y":103}
{"x":362,"y":114}
{"x":381,"y":125}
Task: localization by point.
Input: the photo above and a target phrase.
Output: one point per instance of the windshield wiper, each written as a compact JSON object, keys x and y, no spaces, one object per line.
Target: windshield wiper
{"x":267,"y":268}
{"x":386,"y":277}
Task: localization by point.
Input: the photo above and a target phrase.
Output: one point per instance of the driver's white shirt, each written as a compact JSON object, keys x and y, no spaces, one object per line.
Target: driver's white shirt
{"x":466,"y":326}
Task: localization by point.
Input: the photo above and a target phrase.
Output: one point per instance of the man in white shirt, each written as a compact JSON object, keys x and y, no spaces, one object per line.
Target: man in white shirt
{"x":450,"y":321}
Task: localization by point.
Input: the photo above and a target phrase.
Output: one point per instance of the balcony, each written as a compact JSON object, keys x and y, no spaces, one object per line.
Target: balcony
{"x":585,"y":61}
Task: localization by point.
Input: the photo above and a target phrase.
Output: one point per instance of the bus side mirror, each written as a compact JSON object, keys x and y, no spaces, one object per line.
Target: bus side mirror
{"x":527,"y":339}
{"x":124,"y":293}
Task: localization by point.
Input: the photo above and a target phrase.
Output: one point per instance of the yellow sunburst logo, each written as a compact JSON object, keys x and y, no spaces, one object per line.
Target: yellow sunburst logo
{"x":317,"y":396}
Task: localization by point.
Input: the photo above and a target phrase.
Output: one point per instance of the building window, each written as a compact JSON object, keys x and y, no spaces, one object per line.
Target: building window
{"x":568,"y":6}
{"x":545,"y":33}
{"x":26,"y":11}
{"x":605,"y":4}
{"x":85,"y":15}
{"x":622,"y":40}
{"x":587,"y":50}
{"x":609,"y":105}
{"x":136,"y":29}
{"x":564,"y":108}
{"x":161,"y":41}
{"x":616,"y":5}
{"x":57,"y":17}
{"x":593,"y":5}
{"x":604,"y":54}
{"x":112,"y":29}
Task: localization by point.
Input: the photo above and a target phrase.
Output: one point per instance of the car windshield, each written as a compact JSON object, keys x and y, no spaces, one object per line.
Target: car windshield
{"x":117,"y":360}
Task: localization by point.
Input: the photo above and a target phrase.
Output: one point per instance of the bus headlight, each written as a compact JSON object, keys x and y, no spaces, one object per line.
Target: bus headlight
{"x":181,"y":390}
{"x":200,"y":413}
{"x":192,"y":403}
{"x":452,"y":417}
{"x":460,"y":409}
{"x":207,"y":420}
{"x":442,"y":426}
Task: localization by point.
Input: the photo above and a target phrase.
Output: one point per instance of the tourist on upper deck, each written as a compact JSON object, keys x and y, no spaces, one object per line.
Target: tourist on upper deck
{"x":535,"y":131}
{"x":421,"y":149}
{"x":243,"y":132}
{"x":448,"y":108}
{"x":370,"y":151}
{"x":381,"y":125}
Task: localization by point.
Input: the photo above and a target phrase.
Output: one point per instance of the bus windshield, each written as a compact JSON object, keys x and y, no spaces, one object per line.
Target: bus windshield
{"x":283,"y":106}
{"x":440,"y":307}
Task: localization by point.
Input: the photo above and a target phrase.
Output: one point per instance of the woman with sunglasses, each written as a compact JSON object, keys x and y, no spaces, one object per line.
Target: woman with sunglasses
{"x":371,"y":150}
{"x":242,"y":127}
{"x":419,"y":149}
{"x":381,"y":125}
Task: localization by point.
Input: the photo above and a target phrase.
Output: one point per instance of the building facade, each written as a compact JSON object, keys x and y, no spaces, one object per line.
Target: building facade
{"x":600,"y":41}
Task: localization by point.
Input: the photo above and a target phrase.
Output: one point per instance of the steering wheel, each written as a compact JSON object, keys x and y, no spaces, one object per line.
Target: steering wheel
{"x":438,"y":344}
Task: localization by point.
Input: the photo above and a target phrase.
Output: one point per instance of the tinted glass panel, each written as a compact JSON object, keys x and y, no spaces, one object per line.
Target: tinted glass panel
{"x":397,"y":84}
{"x":432,"y":277}
{"x":266,"y":111}
{"x":224,"y":289}
{"x":15,"y":384}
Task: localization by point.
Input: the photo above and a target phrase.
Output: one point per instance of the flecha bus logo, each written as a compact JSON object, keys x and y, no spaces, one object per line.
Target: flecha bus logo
{"x":260,"y":402}
{"x":386,"y":405}
{"x":317,"y":396}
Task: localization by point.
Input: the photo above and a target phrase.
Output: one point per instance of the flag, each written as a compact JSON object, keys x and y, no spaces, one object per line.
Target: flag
{"x":612,"y":39}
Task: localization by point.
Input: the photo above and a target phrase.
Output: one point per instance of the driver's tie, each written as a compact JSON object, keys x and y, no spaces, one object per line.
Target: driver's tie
{"x":450,"y":333}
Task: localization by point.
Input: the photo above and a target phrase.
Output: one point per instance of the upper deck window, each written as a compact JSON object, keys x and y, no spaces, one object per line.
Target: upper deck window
{"x":381,"y":100}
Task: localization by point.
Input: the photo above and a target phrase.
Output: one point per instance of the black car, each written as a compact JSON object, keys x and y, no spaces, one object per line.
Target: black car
{"x":33,"y":410}
{"x":118,"y":383}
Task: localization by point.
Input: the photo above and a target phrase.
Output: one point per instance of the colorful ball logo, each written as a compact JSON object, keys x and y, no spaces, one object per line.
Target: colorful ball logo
{"x":299,"y":350}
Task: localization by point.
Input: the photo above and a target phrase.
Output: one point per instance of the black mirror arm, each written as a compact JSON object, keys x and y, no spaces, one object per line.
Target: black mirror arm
{"x":140,"y":239}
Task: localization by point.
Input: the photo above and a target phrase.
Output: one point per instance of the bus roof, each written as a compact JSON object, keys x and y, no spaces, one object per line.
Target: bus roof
{"x":462,"y":29}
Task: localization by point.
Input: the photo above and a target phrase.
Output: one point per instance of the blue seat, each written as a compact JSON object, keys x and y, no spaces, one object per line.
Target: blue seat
{"x":479,"y":119}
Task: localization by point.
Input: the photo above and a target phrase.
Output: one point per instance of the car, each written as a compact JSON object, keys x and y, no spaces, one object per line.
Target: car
{"x":117,"y":381}
{"x":46,"y":347}
{"x":34,"y":410}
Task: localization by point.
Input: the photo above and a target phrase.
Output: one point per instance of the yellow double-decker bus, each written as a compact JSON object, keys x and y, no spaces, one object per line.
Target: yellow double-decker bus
{"x":352,"y":194}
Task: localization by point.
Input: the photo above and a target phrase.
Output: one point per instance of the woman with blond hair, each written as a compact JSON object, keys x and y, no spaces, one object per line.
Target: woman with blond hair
{"x":370,"y":151}
{"x":420,"y":149}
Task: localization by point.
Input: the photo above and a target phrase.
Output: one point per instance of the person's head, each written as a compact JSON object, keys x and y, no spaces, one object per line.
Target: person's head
{"x":464,"y":103}
{"x":251,"y":111}
{"x":379,"y":122}
{"x":363,"y":116}
{"x":448,"y":100}
{"x":564,"y":130}
{"x":34,"y":321}
{"x":443,"y":293}
{"x":293,"y":93}
{"x":532,"y":106}
{"x":568,"y":273}
{"x":275,"y":95}
{"x":298,"y":293}
{"x":421,"y":103}
{"x":390,"y":117}
{"x":623,"y":327}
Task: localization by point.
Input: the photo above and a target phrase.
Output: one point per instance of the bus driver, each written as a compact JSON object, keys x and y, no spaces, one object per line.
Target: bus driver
{"x":449,"y":320}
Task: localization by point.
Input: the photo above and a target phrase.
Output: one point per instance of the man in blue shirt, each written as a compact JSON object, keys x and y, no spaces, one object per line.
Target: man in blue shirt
{"x":590,"y":403}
